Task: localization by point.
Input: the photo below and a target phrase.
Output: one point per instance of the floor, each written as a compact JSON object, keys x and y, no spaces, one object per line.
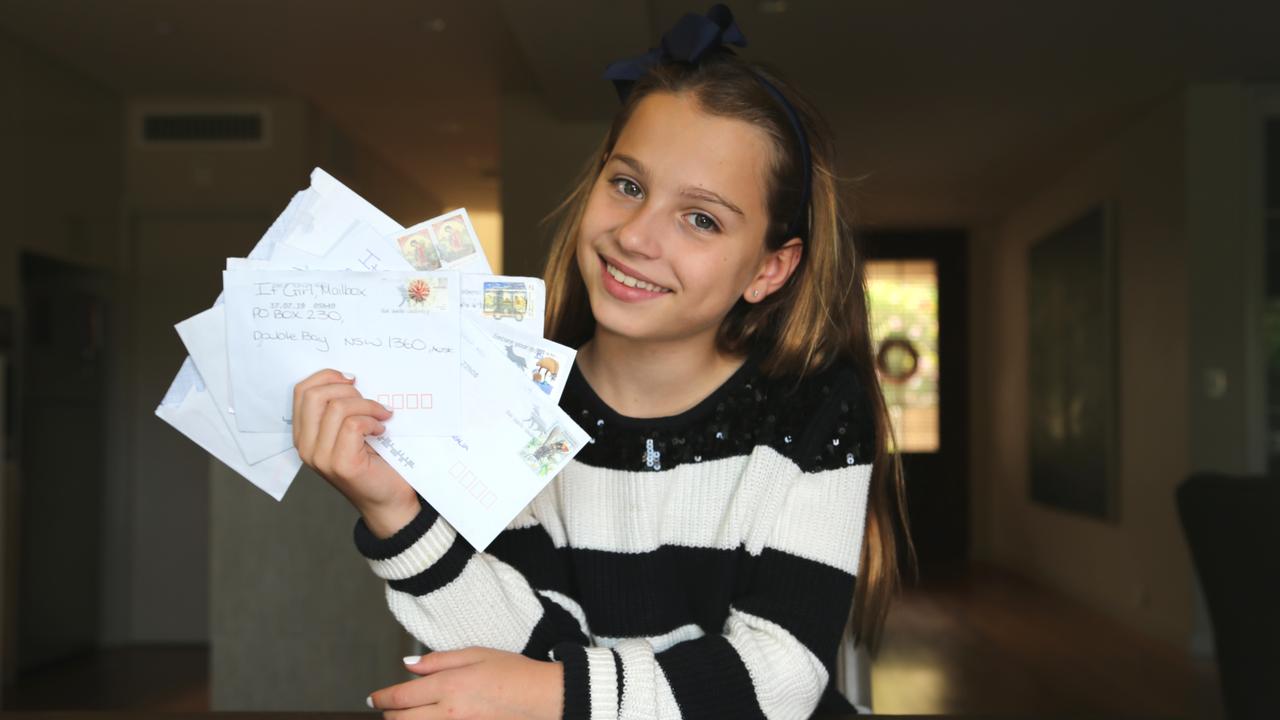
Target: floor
{"x":162,"y":678}
{"x":984,"y":643}
{"x":989,"y":642}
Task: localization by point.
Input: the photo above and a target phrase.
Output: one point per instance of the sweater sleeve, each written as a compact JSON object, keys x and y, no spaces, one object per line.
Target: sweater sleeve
{"x":449,"y":596}
{"x":775,"y":654}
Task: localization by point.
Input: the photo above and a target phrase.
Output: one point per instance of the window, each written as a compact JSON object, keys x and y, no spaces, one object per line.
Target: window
{"x":903,"y":304}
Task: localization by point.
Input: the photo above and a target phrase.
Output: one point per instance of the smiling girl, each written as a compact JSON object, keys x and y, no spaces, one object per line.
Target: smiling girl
{"x":734,"y":513}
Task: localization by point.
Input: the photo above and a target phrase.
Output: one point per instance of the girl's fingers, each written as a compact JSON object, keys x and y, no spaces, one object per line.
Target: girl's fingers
{"x":327,"y":376}
{"x":426,"y":712}
{"x":411,"y":694}
{"x":443,"y":660}
{"x":345,"y":415}
{"x":349,"y":446}
{"x":311,"y":408}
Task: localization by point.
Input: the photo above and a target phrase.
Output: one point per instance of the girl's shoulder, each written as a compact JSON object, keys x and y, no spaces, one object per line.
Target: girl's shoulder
{"x":835,"y":410}
{"x":820,"y":421}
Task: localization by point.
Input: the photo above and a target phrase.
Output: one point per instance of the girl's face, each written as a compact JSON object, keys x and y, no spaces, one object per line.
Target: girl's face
{"x":673,"y":233}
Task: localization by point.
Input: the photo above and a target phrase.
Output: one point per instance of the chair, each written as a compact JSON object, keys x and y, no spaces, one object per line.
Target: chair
{"x":1232,"y":525}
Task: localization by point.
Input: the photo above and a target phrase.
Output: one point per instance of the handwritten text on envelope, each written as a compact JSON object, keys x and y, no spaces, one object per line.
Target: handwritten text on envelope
{"x":396,"y":332}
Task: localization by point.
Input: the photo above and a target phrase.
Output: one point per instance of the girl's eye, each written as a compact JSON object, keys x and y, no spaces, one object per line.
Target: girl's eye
{"x":627,"y":187}
{"x":703,"y":221}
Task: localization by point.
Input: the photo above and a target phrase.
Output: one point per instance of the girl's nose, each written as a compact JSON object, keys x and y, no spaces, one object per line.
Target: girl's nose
{"x":639,"y":234}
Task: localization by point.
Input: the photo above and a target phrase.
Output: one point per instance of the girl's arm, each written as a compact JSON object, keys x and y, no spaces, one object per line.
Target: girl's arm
{"x":434,"y":578}
{"x":448,"y":596}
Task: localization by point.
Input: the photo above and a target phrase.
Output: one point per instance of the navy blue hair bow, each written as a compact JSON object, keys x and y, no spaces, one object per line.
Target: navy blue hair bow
{"x":691,"y":40}
{"x":688,"y":42}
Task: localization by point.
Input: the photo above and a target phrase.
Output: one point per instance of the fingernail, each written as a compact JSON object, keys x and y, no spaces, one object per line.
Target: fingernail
{"x":349,"y":376}
{"x":369,"y":701}
{"x":384,"y":407}
{"x":412,"y":660}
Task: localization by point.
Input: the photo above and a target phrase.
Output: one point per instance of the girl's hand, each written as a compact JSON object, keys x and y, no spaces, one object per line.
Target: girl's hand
{"x":475,"y":683}
{"x":330,"y":422}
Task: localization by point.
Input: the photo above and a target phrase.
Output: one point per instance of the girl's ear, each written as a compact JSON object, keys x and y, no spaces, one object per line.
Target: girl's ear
{"x":774,"y":271}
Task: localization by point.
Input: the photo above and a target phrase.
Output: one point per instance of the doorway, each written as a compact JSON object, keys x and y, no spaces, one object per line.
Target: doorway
{"x":918,"y":301}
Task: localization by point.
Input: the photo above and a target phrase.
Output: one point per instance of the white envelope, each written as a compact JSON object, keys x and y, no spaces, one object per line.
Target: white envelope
{"x":396,"y":332}
{"x":506,"y":300}
{"x":205,"y":336}
{"x":196,"y":415}
{"x":539,"y":361}
{"x":512,"y":441}
{"x":328,"y":211}
{"x":446,"y":242}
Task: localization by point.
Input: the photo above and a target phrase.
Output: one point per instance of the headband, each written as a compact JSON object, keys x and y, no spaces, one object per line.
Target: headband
{"x":689,"y":41}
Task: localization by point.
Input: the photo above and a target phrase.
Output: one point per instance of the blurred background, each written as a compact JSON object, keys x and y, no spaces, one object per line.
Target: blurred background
{"x":1072,"y":213}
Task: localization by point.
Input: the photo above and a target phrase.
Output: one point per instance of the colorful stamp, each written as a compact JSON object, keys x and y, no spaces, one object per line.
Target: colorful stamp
{"x":418,"y":250}
{"x":453,"y":239}
{"x":545,"y":372}
{"x":506,"y":300}
{"x":425,"y":294}
{"x":546,"y":453}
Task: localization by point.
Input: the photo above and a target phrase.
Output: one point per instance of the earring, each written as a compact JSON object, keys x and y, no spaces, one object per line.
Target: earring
{"x":755,"y":293}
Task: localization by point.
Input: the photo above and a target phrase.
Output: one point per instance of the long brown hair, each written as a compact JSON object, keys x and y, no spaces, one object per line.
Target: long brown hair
{"x":819,"y":316}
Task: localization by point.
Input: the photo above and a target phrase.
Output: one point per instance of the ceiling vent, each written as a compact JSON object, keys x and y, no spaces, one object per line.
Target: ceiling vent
{"x":187,"y":128}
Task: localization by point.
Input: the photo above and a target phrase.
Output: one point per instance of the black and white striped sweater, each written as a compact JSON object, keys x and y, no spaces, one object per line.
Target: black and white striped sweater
{"x":700,"y":565}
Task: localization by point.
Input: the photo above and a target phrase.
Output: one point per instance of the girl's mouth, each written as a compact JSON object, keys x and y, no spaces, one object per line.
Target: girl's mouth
{"x":628,"y":287}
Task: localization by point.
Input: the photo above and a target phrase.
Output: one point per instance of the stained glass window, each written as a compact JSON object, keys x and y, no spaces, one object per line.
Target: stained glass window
{"x":903,"y":303}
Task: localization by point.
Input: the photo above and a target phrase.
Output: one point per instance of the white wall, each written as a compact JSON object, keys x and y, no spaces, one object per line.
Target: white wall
{"x":1136,"y":569}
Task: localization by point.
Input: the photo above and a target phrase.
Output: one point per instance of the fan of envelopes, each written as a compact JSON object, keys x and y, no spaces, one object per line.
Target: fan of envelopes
{"x":416,"y":315}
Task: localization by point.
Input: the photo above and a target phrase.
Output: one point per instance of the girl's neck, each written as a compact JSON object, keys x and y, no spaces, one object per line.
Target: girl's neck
{"x":646,"y":379}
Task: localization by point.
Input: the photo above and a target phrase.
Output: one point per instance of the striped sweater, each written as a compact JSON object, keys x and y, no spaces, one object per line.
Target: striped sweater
{"x":693,"y":566}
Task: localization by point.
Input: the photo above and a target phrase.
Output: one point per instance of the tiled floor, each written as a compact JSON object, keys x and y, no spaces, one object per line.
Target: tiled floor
{"x":985,"y":643}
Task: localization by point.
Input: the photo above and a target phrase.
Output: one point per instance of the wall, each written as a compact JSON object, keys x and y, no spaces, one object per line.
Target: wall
{"x":1224,"y":229}
{"x":1136,"y":569}
{"x":541,"y":156}
{"x":187,"y":208}
{"x":60,"y":169}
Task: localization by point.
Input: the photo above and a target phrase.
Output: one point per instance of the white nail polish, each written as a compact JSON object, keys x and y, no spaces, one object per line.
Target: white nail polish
{"x":412,"y":659}
{"x":369,"y":701}
{"x":348,"y":376}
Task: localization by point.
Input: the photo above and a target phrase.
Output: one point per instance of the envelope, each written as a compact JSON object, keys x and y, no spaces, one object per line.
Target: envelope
{"x":506,"y":301}
{"x":205,"y":336}
{"x":447,"y":242}
{"x":327,"y":211}
{"x":511,"y":442}
{"x":195,"y":414}
{"x":539,"y":361}
{"x":396,"y":332}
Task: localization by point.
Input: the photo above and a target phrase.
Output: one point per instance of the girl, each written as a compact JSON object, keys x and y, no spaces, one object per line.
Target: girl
{"x":699,"y":557}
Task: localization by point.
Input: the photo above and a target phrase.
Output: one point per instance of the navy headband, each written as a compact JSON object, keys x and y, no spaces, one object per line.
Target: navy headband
{"x":692,"y":39}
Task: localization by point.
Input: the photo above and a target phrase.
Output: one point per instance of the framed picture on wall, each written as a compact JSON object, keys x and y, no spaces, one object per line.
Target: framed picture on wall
{"x":1073,"y":366}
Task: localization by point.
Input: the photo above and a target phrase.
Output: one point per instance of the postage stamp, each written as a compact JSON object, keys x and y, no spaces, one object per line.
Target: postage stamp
{"x":453,"y":238}
{"x":425,"y":294}
{"x":417,"y":248}
{"x":547,"y":452}
{"x":505,"y":300}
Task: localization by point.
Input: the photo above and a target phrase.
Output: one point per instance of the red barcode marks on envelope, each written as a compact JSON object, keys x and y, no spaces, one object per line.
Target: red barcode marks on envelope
{"x":473,"y":485}
{"x":406,"y":401}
